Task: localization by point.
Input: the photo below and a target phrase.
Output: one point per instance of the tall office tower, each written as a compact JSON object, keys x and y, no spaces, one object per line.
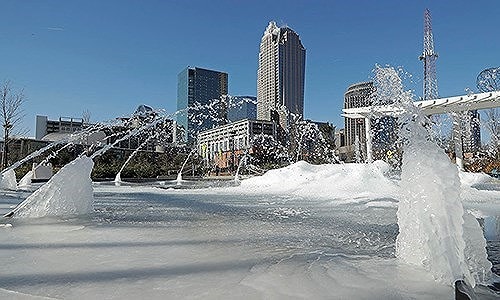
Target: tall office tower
{"x":199,"y":104}
{"x":281,"y":74}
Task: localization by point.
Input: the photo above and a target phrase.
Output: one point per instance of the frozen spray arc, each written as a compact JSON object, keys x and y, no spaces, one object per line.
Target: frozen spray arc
{"x":72,"y":138}
{"x":69,"y":191}
{"x":179,"y":175}
{"x":243,"y":161}
{"x":430,"y":214}
{"x":118,"y":177}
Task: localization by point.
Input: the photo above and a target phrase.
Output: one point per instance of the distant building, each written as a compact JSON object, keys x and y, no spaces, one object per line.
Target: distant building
{"x":357,"y":95}
{"x":471,"y":131}
{"x":384,"y":129}
{"x":241,"y":107}
{"x":197,"y":89}
{"x":281,"y":74}
{"x":58,"y":128}
{"x":158,"y":137}
{"x":224,"y":146}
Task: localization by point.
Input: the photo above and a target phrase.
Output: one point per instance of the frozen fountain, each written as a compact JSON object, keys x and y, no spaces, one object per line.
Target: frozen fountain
{"x":434,"y":230}
{"x":330,"y":226}
{"x":179,"y":175}
{"x":8,"y":180}
{"x":242,"y":161}
{"x":69,"y":191}
{"x":118,"y":177}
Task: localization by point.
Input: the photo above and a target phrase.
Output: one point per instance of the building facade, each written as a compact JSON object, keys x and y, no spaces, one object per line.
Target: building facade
{"x":281,"y":74}
{"x":470,"y":132}
{"x":63,"y":125}
{"x":224,"y":146}
{"x":197,"y":89}
{"x":384,"y":129}
{"x":357,"y":95}
{"x":241,"y":107}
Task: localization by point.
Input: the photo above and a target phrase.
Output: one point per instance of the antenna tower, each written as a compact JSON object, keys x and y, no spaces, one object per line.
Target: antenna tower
{"x":429,"y":58}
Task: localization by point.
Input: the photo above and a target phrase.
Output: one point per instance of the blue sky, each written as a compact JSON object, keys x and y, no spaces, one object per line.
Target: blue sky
{"x":109,"y":56}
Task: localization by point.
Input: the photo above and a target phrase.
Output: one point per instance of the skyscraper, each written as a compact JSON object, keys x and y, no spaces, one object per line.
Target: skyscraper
{"x":281,"y":73}
{"x":199,"y":103}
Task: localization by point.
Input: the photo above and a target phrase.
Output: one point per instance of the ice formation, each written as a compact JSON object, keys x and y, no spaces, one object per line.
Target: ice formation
{"x":8,"y":180}
{"x":26,"y":180}
{"x":430,"y":214}
{"x":430,"y":211}
{"x":68,"y":192}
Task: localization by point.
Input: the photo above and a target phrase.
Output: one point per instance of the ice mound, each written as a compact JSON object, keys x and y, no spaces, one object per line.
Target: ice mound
{"x":325,"y":181}
{"x":26,"y":180}
{"x":470,"y":179}
{"x":68,"y":192}
{"x":431,"y":218}
{"x":8,"y":180}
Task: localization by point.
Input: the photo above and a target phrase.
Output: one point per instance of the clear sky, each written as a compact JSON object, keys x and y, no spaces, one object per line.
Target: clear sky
{"x":109,"y":56}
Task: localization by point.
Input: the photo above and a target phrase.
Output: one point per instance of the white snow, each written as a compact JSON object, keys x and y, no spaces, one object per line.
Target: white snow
{"x":341,"y":181}
{"x":278,"y":242}
{"x":8,"y":180}
{"x":470,"y":179}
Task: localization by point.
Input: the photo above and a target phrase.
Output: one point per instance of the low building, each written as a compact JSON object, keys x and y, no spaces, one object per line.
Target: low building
{"x":63,"y":126}
{"x":222,"y":147}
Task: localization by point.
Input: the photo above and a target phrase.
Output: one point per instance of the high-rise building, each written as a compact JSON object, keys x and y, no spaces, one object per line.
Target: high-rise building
{"x":199,"y":104}
{"x":281,"y":74}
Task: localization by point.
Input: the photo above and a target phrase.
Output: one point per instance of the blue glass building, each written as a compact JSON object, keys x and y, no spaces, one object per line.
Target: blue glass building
{"x":199,"y":103}
{"x":242,"y":107}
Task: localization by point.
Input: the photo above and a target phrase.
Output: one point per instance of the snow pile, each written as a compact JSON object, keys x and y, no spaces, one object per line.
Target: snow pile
{"x":324,"y":181}
{"x":69,"y":192}
{"x":8,"y":180}
{"x":470,"y":179}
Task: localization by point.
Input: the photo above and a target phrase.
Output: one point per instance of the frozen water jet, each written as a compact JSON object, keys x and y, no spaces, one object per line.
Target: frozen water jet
{"x":179,"y":175}
{"x":432,"y":231}
{"x":68,"y":192}
{"x":26,"y":180}
{"x":118,"y":177}
{"x":243,"y":161}
{"x":8,"y":180}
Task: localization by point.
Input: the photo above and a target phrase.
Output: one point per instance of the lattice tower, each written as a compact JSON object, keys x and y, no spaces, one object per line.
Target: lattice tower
{"x":429,"y":58}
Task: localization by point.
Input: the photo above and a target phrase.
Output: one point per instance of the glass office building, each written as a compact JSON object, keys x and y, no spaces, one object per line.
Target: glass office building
{"x":199,"y":104}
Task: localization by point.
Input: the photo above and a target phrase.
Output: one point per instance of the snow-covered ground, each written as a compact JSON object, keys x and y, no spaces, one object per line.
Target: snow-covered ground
{"x":302,"y":232}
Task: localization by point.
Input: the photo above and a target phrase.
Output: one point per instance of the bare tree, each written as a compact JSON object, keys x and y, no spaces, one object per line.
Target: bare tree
{"x":11,"y":114}
{"x":489,"y":80}
{"x":86,"y":116}
{"x":493,"y":125}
